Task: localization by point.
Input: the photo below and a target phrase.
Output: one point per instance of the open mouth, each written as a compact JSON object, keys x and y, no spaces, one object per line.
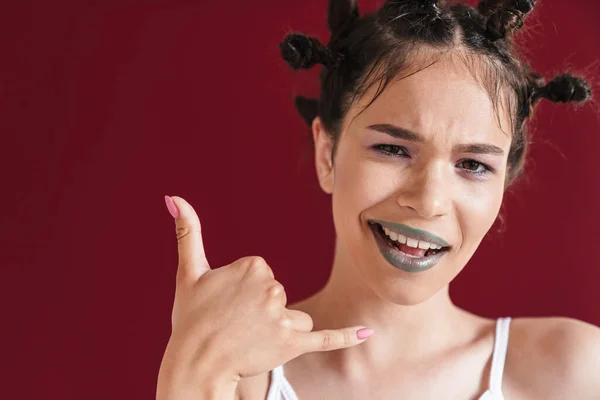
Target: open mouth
{"x":411,"y":249}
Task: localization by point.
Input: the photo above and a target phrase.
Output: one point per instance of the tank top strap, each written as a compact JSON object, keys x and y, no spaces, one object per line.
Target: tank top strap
{"x":499,"y":356}
{"x":275,"y":378}
{"x":279,"y":387}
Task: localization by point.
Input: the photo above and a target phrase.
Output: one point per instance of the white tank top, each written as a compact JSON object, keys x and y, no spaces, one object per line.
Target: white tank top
{"x":280,"y":388}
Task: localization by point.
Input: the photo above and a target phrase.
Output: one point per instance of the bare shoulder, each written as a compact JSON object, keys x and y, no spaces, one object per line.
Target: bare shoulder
{"x":553,"y":358}
{"x":253,"y":388}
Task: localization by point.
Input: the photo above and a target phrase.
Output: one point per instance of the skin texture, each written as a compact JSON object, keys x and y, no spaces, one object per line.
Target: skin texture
{"x":424,"y":347}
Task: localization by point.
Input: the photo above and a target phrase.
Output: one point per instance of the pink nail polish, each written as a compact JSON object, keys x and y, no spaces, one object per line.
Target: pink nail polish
{"x":364,"y":333}
{"x":172,"y":207}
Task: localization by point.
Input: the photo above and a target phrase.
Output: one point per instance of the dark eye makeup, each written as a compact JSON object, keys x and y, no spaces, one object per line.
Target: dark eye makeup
{"x":469,"y":165}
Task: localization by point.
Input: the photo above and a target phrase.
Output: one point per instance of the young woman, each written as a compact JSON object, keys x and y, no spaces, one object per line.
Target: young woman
{"x":419,"y":129}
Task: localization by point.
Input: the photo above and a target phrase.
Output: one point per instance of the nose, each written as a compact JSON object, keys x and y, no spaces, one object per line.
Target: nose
{"x":429,"y":191}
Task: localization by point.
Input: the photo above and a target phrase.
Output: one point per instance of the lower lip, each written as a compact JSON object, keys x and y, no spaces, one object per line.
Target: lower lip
{"x":402,"y":260}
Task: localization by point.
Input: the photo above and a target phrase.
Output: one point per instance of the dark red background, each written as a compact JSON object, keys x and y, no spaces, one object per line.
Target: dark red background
{"x":109,"y":105}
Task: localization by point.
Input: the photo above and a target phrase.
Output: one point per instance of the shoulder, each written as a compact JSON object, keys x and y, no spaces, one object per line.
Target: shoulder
{"x":554,"y":358}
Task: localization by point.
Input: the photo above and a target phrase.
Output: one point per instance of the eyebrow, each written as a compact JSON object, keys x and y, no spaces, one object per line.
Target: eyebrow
{"x":401,"y":133}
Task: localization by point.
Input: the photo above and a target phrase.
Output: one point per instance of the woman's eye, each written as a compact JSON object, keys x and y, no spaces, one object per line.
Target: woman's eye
{"x":474,"y":167}
{"x":391,"y":149}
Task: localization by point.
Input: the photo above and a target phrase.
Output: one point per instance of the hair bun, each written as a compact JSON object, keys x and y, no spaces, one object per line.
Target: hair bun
{"x":566,"y":88}
{"x":301,"y":51}
{"x":505,"y":18}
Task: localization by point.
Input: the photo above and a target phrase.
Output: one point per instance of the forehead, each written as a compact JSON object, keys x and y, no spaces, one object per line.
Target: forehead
{"x":444,"y":97}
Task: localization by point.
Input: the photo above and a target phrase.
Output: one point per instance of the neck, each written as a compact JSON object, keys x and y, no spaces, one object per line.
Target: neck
{"x":414,"y":332}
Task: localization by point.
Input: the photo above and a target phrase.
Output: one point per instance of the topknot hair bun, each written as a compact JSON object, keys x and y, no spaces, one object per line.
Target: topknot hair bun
{"x":505,"y":17}
{"x":301,"y":51}
{"x":564,"y":89}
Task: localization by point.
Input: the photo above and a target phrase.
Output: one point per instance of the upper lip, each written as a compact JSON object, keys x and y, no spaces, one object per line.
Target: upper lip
{"x":413,"y":233}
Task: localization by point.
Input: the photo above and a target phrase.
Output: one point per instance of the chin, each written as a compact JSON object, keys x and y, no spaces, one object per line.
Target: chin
{"x":401,"y":287}
{"x":401,"y":291}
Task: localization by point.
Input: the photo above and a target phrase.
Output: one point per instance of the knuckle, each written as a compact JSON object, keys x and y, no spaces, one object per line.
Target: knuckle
{"x":285,"y":322}
{"x":257,"y":260}
{"x":327,"y":341}
{"x":347,"y":338}
{"x":240,"y":265}
{"x":276,"y":289}
{"x":255,"y":265}
{"x":186,"y":229}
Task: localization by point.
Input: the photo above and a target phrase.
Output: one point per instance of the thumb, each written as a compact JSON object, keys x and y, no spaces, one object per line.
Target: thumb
{"x":333,"y":339}
{"x":192,"y":259}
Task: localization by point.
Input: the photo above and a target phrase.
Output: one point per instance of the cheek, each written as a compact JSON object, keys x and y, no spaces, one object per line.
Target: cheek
{"x":356,"y":188}
{"x":361,"y":183}
{"x":476,"y":212}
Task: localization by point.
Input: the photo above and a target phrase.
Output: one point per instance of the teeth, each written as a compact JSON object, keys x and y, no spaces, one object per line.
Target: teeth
{"x":424,"y":245}
{"x":390,"y":234}
{"x":401,"y":238}
{"x":412,"y":242}
{"x":420,"y":244}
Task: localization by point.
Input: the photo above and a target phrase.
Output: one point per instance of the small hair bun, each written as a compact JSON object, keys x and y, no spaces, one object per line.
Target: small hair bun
{"x":566,"y":88}
{"x":301,"y":51}
{"x":506,"y":18}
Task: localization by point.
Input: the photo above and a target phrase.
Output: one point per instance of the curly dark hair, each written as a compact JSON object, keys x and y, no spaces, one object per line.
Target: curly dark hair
{"x":375,"y":48}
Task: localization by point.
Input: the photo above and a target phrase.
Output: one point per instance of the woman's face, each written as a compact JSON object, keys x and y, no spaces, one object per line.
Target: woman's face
{"x":427,"y":161}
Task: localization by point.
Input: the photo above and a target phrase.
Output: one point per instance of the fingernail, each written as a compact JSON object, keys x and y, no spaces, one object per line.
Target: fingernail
{"x":364,"y":333}
{"x":172,"y":207}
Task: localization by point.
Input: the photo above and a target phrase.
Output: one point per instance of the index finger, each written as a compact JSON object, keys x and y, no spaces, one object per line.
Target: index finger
{"x":332,"y":339}
{"x":192,"y":258}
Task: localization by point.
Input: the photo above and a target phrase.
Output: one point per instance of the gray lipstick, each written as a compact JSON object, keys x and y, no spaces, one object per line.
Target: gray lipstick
{"x":403,"y":261}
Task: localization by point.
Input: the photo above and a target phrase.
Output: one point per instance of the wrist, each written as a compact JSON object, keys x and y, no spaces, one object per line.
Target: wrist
{"x":197,"y":388}
{"x":216,"y":389}
{"x":182,"y":381}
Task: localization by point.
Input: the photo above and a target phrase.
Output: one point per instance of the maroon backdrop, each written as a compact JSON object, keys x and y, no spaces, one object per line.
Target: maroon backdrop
{"x":107,"y":106}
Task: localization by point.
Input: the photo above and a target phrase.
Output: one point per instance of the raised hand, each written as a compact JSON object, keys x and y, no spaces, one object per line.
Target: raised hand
{"x":230,"y":322}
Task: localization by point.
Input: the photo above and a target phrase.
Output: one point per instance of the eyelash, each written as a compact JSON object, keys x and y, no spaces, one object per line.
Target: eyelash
{"x":380,"y":149}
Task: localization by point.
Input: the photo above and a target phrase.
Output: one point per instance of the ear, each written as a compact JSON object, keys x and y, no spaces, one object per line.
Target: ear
{"x":323,"y":153}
